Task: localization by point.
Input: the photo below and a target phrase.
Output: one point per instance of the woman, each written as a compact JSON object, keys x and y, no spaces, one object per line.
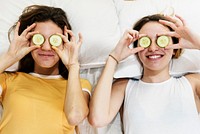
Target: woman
{"x":157,"y":103}
{"x":46,"y":94}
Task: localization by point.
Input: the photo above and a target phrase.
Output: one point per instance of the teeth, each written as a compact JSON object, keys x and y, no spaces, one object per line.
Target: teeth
{"x":154,"y":56}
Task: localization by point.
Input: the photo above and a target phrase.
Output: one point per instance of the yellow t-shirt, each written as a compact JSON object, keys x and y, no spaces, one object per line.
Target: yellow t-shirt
{"x":34,"y":105}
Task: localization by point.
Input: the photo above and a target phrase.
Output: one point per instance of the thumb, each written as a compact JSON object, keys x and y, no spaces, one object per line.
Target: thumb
{"x":31,"y":48}
{"x":58,"y":51}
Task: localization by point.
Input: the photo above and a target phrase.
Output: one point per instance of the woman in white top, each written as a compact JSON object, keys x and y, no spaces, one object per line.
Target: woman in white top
{"x":157,"y":103}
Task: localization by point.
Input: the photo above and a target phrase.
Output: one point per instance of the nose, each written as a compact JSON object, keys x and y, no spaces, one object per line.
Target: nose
{"x":153,"y":47}
{"x":46,"y":46}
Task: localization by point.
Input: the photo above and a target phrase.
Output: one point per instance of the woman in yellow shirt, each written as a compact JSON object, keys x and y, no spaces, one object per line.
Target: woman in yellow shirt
{"x":45,"y":95}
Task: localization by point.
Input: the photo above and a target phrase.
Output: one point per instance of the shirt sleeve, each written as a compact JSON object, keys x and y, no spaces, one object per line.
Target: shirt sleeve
{"x":3,"y":83}
{"x":86,"y":86}
{"x":3,"y":78}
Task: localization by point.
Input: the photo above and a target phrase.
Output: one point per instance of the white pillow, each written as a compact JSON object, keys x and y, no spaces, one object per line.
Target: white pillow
{"x":97,"y":20}
{"x":188,"y":62}
{"x":10,"y":11}
{"x":131,"y":11}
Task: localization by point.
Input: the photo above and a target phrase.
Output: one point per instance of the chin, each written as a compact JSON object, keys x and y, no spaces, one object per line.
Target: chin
{"x":47,"y":64}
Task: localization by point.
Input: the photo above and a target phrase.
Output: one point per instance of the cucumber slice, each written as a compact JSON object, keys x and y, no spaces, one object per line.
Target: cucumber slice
{"x":162,"y":41}
{"x":55,"y":40}
{"x":38,"y":39}
{"x":144,"y":41}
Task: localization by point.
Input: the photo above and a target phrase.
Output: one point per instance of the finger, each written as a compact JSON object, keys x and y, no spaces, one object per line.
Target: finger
{"x":177,"y":20}
{"x":182,"y":20}
{"x":64,"y":38}
{"x":28,"y":29}
{"x":80,"y":41}
{"x":30,"y":34}
{"x":17,"y":29}
{"x":133,"y":32}
{"x":31,"y":48}
{"x":142,"y":35}
{"x":34,"y":47}
{"x":171,"y":18}
{"x":136,"y":35}
{"x":57,"y":50}
{"x":173,"y":46}
{"x":136,"y":50}
{"x":129,"y":37}
{"x":73,"y":39}
{"x":171,"y":34}
{"x":65,"y":31}
{"x":168,"y":23}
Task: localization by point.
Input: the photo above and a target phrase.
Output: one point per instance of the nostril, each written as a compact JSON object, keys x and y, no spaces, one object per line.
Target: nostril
{"x":153,"y":47}
{"x":46,"y":46}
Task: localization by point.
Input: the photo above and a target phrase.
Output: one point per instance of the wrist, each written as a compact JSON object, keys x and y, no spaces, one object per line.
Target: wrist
{"x":114,"y":58}
{"x":73,"y":66}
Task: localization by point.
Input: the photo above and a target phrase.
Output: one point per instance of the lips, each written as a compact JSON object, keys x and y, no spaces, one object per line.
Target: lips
{"x":49,"y":55}
{"x":154,"y":56}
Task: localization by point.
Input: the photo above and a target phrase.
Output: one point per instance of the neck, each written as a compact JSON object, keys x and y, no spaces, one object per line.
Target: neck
{"x":153,"y":76}
{"x":46,"y":71}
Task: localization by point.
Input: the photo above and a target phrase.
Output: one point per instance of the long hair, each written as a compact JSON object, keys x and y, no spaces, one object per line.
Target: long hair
{"x":40,"y":13}
{"x":156,"y":17}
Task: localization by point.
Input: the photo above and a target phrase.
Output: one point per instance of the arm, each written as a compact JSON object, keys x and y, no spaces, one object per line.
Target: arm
{"x":19,"y":47}
{"x":107,"y":98}
{"x":189,"y":40}
{"x":76,"y":101}
{"x":6,"y":61}
{"x":194,"y":80}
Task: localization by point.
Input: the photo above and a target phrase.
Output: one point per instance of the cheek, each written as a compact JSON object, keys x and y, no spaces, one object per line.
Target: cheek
{"x":141,"y":56}
{"x":142,"y":53}
{"x":33,"y":53}
{"x":170,"y":51}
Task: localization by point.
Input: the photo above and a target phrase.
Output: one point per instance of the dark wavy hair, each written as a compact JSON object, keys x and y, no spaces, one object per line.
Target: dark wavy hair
{"x":156,"y":17}
{"x":40,"y":13}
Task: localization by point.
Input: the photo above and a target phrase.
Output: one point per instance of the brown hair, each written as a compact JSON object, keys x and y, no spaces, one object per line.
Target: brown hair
{"x":156,"y":17}
{"x":40,"y":13}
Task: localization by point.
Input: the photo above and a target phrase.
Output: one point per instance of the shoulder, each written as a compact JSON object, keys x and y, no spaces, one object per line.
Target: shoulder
{"x":9,"y":74}
{"x":194,"y":80}
{"x":120,"y":83}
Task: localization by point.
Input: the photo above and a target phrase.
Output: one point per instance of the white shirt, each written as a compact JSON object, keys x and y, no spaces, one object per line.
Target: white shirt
{"x":160,"y":108}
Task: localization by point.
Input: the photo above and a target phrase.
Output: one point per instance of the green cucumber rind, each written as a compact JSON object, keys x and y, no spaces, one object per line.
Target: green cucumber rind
{"x":163,"y":37}
{"x":58,"y":38}
{"x":37,"y":37}
{"x":141,"y":42}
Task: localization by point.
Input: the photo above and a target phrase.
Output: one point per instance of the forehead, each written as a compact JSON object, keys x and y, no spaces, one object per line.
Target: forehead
{"x":47,"y":27}
{"x":153,"y":28}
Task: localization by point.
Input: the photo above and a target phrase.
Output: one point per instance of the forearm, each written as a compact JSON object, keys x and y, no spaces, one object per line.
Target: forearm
{"x":195,"y":40}
{"x":76,"y":107}
{"x":6,"y":61}
{"x":101,"y":98}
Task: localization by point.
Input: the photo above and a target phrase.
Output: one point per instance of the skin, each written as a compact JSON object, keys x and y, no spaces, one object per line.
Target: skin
{"x":155,"y":61}
{"x":46,"y":59}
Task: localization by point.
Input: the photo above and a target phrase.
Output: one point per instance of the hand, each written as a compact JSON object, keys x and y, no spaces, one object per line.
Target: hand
{"x":20,"y":45}
{"x":70,"y":51}
{"x":123,"y":50}
{"x":187,"y":38}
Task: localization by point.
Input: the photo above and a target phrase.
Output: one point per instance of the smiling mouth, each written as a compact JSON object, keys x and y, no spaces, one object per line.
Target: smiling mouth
{"x":153,"y":57}
{"x":46,"y":55}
